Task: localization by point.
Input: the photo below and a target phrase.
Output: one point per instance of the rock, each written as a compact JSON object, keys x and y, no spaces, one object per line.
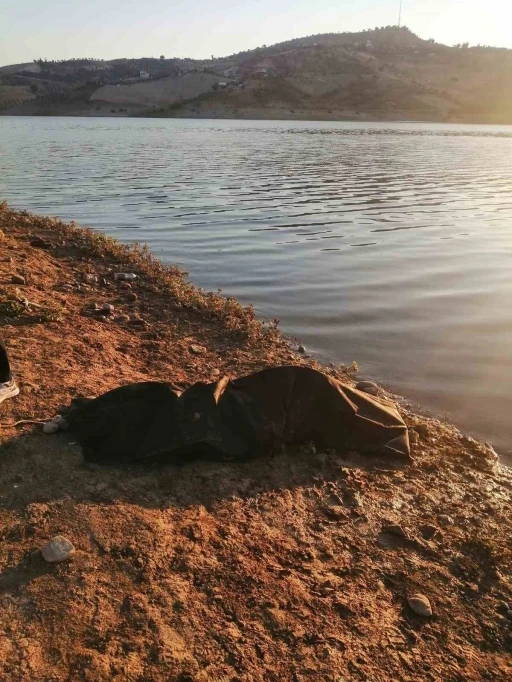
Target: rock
{"x":445,"y":520}
{"x":122,"y":318}
{"x":396,"y":530}
{"x":40,"y":243}
{"x":87,"y":278}
{"x":58,"y":549}
{"x":502,"y":607}
{"x":335,"y":512}
{"x":215,"y":372}
{"x":28,"y":388}
{"x":136,"y":320}
{"x":509,"y":614}
{"x":428,"y":531}
{"x":301,"y":349}
{"x":413,"y":437}
{"x":51,"y":427}
{"x":125,"y":276}
{"x":197,"y":350}
{"x":420,"y":605}
{"x":18,"y":279}
{"x":343,"y":609}
{"x":422,"y":430}
{"x":368,"y":387}
{"x":131,"y":297}
{"x":107,"y":308}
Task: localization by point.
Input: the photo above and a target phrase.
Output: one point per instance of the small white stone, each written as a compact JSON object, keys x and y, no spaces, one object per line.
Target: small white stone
{"x":420,"y":605}
{"x":58,"y":549}
{"x":51,"y":427}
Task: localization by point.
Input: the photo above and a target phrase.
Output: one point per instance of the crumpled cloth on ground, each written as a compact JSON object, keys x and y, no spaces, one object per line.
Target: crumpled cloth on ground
{"x":234,"y":420}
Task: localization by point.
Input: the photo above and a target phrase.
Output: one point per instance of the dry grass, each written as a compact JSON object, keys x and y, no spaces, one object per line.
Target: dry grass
{"x":138,"y":259}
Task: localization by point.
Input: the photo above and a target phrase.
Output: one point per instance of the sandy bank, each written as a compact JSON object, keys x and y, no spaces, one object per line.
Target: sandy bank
{"x":290,"y":569}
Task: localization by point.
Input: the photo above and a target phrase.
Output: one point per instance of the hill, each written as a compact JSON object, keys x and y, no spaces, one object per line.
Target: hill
{"x":291,"y":568}
{"x":387,"y":73}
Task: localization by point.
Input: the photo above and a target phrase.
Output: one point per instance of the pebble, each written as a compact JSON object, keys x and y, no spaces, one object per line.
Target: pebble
{"x":215,"y":372}
{"x":108,"y":308}
{"x":18,"y":279}
{"x":445,"y":520}
{"x":413,"y":437}
{"x":368,"y":387}
{"x":51,"y":427}
{"x":301,"y":349}
{"x":420,"y":605}
{"x":58,"y":549}
{"x":197,"y":350}
{"x":421,"y":430}
{"x":131,"y":297}
{"x":87,"y":278}
{"x":125,"y":276}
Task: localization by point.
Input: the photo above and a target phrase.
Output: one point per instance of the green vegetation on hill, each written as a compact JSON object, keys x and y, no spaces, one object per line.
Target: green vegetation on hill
{"x":384,"y":73}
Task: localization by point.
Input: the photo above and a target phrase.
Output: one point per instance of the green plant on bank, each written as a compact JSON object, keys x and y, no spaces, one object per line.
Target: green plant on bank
{"x":11,"y":309}
{"x":236,"y":317}
{"x":51,"y":312}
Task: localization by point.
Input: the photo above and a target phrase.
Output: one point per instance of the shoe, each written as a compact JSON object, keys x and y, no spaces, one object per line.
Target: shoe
{"x":8,"y":390}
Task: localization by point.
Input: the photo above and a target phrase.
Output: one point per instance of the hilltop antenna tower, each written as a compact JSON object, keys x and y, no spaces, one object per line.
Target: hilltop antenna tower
{"x":400,"y":15}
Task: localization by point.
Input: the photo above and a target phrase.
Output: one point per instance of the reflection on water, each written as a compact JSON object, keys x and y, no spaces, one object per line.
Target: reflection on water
{"x":385,"y":243}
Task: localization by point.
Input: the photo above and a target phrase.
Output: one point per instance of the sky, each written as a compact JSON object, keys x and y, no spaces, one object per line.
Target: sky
{"x":62,"y":29}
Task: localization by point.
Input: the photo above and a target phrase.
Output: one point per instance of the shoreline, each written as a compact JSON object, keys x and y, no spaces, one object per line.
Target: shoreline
{"x":260,"y":115}
{"x":187,"y":573}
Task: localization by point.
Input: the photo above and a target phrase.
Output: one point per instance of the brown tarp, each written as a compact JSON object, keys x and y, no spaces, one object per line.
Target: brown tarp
{"x":235,"y":420}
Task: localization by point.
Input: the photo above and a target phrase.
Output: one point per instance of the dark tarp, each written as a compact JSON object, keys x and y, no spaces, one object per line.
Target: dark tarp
{"x":235,"y":420}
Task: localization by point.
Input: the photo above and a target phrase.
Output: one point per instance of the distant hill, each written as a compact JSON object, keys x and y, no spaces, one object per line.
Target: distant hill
{"x":388,"y":73}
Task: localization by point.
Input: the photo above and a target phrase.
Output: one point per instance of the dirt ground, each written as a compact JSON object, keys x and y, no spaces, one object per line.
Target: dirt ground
{"x":293,"y":568}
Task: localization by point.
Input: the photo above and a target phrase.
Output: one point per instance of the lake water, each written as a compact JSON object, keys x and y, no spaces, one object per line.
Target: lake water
{"x":385,"y":243}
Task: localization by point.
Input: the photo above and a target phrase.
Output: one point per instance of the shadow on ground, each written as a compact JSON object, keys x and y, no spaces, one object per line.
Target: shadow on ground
{"x":41,"y":468}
